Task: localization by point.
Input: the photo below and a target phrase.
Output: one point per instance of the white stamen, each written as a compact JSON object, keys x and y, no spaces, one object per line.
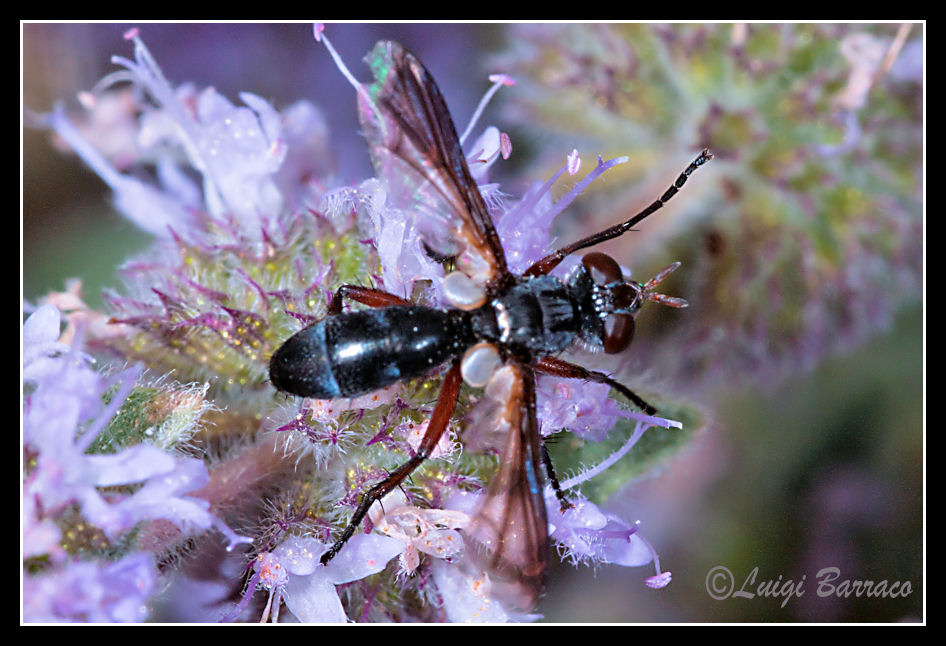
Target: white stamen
{"x":573,"y":162}
{"x":320,"y":36}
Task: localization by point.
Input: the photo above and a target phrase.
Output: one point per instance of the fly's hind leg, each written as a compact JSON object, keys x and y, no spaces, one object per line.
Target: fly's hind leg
{"x":443,"y":411}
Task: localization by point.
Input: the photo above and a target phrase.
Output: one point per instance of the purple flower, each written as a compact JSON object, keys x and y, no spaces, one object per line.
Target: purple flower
{"x":294,"y":572}
{"x":241,"y":153}
{"x":64,"y":413}
{"x":67,"y":405}
{"x":236,"y":149}
{"x":40,"y":342}
{"x":467,"y":597}
{"x":428,"y":531}
{"x":585,"y":533}
{"x":92,"y":592}
{"x":581,"y":407}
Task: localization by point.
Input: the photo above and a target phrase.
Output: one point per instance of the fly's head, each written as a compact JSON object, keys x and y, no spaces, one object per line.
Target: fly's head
{"x":613,"y":301}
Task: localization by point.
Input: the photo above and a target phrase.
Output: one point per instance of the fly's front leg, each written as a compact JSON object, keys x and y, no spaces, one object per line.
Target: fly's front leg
{"x":443,"y":411}
{"x":547,"y":264}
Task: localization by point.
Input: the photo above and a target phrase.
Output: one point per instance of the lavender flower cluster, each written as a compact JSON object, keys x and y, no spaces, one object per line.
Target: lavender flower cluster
{"x":68,"y":405}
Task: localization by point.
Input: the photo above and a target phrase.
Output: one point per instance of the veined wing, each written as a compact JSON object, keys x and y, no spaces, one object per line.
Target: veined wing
{"x":414,"y":145}
{"x":509,"y":533}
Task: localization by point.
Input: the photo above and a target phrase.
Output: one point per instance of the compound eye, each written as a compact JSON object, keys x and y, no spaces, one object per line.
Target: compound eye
{"x":602,"y":268}
{"x":624,"y":296}
{"x":618,"y":332}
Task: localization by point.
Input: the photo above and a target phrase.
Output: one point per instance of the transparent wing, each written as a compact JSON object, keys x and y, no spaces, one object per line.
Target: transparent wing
{"x":415,"y":147}
{"x":509,"y":533}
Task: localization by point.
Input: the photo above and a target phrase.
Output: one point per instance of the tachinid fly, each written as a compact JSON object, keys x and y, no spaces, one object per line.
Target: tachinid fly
{"x":502,"y":329}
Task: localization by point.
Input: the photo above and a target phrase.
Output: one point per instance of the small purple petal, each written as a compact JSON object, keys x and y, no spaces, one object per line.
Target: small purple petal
{"x":658,"y":580}
{"x":42,"y":326}
{"x":466,"y":598}
{"x":505,"y":145}
{"x":310,"y":592}
{"x":364,"y":554}
{"x":503,"y":79}
{"x":300,"y":556}
{"x":313,"y":599}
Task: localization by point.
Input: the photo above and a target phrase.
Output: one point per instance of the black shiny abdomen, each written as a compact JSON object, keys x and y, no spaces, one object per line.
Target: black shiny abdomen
{"x":358,"y":352}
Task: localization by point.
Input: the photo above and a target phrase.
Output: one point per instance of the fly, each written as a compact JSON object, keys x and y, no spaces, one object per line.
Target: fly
{"x":503,"y":328}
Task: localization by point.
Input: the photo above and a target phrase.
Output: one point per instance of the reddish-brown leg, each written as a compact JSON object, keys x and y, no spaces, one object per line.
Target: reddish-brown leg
{"x":547,"y":264}
{"x":366,"y":296}
{"x":443,"y":411}
{"x":559,"y":368}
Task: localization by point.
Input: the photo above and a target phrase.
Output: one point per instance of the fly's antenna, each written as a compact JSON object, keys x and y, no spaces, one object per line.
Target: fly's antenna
{"x":663,"y":299}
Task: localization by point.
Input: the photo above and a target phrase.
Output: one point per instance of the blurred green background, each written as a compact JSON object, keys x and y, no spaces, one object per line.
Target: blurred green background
{"x":800,"y":467}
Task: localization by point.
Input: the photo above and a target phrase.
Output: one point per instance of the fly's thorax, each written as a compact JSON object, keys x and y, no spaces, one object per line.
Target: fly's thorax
{"x":535,"y":316}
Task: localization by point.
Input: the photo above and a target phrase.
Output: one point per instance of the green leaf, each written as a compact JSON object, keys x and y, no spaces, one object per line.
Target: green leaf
{"x":571,"y":454}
